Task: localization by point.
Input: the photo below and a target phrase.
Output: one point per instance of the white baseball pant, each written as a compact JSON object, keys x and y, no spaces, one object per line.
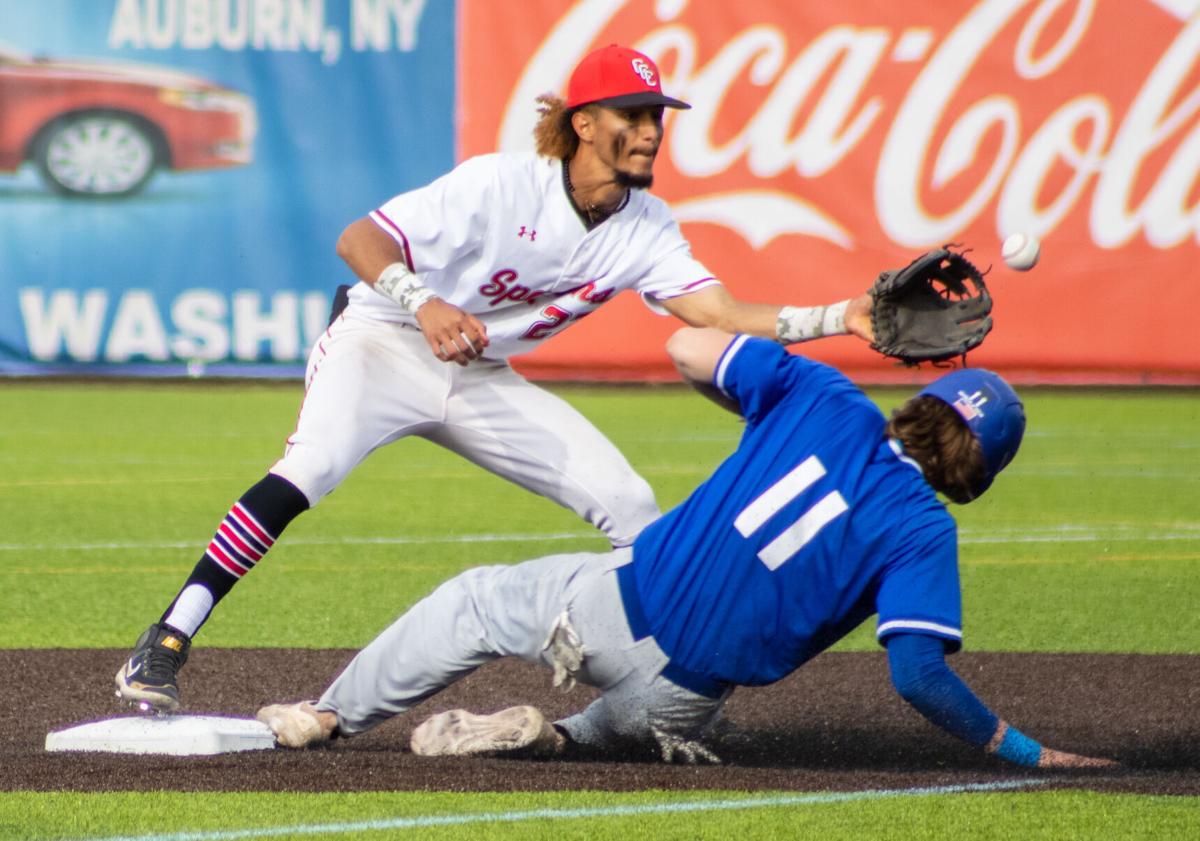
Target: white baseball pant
{"x":372,"y":382}
{"x":498,"y":611}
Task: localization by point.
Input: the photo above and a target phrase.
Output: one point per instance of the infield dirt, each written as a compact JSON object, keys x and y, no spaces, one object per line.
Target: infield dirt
{"x":835,"y":724}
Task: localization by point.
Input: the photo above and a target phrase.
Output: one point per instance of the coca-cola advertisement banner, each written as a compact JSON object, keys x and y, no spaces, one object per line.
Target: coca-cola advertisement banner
{"x":830,"y":141}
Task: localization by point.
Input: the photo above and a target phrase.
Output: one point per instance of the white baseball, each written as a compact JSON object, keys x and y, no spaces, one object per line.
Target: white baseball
{"x":1021,"y":252}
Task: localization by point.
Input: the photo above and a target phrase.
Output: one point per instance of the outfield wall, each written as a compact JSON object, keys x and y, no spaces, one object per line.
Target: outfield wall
{"x":827,"y":142}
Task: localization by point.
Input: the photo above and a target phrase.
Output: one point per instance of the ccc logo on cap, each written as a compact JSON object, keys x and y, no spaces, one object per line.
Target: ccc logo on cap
{"x":644,"y":70}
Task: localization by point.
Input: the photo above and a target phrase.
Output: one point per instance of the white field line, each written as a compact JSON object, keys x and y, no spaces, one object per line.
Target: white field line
{"x":1069,"y":533}
{"x":357,"y":827}
{"x":1051,"y":534}
{"x":1130,"y":472}
{"x":662,"y":470}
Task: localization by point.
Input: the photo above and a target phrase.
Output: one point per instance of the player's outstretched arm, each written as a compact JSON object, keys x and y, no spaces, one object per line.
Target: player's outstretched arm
{"x":921,"y":676}
{"x":714,"y":306}
{"x":1046,"y":757}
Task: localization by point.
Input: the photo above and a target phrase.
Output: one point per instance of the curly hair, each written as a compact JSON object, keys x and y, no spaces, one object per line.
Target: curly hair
{"x":938,"y":439}
{"x":554,"y":134}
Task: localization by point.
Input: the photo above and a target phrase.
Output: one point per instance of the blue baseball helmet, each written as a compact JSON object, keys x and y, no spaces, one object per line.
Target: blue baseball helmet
{"x":991,"y":410}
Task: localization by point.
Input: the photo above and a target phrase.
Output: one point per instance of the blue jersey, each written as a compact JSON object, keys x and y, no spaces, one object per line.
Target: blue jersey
{"x":816,"y":522}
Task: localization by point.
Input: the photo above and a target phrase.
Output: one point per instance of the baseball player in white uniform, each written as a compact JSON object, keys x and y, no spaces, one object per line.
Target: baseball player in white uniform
{"x":484,"y":263}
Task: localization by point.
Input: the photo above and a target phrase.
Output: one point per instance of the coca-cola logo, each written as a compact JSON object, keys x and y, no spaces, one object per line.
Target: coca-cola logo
{"x":823,"y":101}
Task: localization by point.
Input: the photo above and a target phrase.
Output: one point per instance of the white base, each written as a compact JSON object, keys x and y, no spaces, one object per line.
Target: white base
{"x":174,"y":735}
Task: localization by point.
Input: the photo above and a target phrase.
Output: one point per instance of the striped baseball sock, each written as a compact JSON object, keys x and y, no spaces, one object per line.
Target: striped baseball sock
{"x":240,"y":542}
{"x":246,"y":534}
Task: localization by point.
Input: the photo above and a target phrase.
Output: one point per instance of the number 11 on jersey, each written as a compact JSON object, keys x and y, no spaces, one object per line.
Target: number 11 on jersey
{"x":796,"y":536}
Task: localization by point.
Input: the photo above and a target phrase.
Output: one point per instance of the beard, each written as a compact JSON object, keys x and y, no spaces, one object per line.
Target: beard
{"x":635,"y":182}
{"x":623,"y":177}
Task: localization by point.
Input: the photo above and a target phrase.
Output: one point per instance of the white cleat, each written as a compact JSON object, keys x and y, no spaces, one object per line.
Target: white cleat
{"x":295,"y":725}
{"x":460,"y":733}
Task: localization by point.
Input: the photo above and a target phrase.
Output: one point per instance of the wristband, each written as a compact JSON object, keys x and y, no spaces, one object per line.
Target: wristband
{"x":802,"y":324}
{"x":1019,"y":748}
{"x":399,"y":283}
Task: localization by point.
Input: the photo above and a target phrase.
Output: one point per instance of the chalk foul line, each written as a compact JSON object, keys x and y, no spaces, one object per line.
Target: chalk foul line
{"x":520,"y":816}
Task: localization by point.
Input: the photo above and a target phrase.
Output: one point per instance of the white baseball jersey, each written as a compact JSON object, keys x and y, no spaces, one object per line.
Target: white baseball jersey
{"x":499,"y":238}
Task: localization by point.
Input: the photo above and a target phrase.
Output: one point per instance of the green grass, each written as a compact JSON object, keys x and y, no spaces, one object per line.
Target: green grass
{"x":109,"y":494}
{"x":1057,"y":815}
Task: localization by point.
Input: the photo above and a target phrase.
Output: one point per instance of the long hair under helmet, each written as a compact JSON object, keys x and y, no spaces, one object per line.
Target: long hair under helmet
{"x":990,"y":409}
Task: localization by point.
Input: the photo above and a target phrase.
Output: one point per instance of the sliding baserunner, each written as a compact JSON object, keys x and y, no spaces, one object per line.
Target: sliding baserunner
{"x":826,"y":514}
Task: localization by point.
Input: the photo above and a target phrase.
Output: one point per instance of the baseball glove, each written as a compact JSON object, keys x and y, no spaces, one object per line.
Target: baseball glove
{"x":935,"y":308}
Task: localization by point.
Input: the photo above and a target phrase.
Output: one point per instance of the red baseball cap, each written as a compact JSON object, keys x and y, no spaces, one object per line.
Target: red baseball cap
{"x":617,"y":77}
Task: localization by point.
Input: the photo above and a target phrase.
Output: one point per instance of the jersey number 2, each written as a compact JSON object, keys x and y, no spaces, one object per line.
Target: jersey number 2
{"x":796,"y":536}
{"x":556,"y":318}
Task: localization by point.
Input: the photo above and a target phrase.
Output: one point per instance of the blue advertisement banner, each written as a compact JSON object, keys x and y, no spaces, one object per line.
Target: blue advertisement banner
{"x":174,"y":174}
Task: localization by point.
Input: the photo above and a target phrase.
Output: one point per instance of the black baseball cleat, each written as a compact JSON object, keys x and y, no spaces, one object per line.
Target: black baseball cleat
{"x":149,"y":678}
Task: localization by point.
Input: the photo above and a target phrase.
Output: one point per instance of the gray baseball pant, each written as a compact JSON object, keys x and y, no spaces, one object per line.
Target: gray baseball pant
{"x":500,"y":611}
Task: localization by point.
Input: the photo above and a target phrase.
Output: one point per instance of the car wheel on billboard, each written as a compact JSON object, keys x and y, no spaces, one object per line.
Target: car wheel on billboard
{"x":97,"y":154}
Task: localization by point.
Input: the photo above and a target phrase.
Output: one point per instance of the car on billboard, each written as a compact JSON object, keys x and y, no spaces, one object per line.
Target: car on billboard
{"x":105,"y":128}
